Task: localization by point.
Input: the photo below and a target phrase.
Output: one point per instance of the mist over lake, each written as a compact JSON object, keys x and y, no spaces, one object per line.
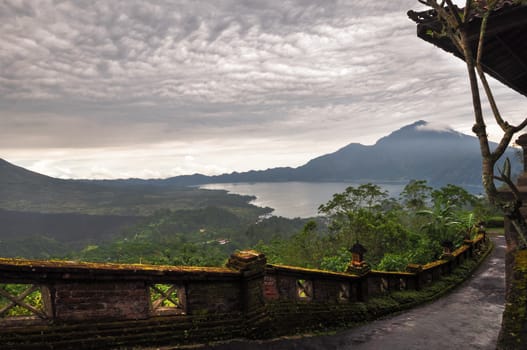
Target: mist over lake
{"x":294,"y":199}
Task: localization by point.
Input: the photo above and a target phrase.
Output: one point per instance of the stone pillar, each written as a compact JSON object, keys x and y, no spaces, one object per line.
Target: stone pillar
{"x":512,"y":325}
{"x":416,"y":269}
{"x":511,"y":236}
{"x":522,"y":142}
{"x":448,"y":248}
{"x":248,"y":262}
{"x":251,"y":265}
{"x":358,"y":266}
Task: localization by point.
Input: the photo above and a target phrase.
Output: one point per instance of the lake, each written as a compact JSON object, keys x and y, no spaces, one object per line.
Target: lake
{"x":294,"y":199}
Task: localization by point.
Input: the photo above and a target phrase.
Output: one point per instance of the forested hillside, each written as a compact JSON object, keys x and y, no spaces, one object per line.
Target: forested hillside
{"x":24,"y":190}
{"x":43,"y":217}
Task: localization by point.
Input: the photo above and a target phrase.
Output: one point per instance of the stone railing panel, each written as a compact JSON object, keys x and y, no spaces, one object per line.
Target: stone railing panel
{"x":217,"y":297}
{"x":27,"y":300}
{"x":104,"y":300}
{"x":167,"y":299}
{"x":300,"y":284}
{"x":382,"y":282}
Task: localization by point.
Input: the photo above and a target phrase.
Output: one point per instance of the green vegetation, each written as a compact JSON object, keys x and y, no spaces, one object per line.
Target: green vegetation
{"x":28,"y":295}
{"x":401,"y":300}
{"x":203,"y":227}
{"x":36,"y":247}
{"x":327,"y":318}
{"x":395,"y":232}
{"x":199,"y":237}
{"x":27,"y":191}
{"x":164,"y":295}
{"x":100,"y":199}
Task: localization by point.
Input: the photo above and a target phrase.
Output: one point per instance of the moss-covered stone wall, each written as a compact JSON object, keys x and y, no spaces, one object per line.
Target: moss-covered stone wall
{"x":91,"y":306}
{"x":513,"y":333}
{"x":373,"y":295}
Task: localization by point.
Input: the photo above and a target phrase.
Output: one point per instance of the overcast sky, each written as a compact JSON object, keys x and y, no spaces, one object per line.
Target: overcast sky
{"x":113,"y":89}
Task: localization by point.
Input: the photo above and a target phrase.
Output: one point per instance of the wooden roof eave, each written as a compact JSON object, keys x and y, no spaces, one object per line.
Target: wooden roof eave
{"x":500,"y":26}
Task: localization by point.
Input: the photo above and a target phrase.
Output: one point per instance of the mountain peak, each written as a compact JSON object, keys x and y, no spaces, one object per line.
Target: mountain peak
{"x":418,"y":123}
{"x":422,"y":125}
{"x":421,"y":130}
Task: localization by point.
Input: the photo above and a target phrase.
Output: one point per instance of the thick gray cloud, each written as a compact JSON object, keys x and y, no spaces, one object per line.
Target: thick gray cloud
{"x":160,"y":88}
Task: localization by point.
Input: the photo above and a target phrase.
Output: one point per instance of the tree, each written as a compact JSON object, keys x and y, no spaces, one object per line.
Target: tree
{"x":304,"y":248}
{"x":365,"y":213}
{"x":381,"y":224}
{"x":455,"y":196}
{"x":415,"y":194}
{"x":442,"y":224}
{"x":352,"y":212}
{"x":453,"y":24}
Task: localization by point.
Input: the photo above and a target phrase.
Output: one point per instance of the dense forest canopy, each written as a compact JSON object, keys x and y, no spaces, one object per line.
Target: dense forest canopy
{"x":395,"y":231}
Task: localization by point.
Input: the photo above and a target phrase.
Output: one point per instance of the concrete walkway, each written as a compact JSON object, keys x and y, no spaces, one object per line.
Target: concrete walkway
{"x":468,"y":318}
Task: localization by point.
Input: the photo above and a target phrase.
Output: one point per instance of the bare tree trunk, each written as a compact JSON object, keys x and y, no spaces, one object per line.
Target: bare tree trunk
{"x":487,"y":178}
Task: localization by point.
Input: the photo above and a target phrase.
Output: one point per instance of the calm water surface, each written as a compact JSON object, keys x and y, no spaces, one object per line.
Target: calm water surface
{"x":294,"y":199}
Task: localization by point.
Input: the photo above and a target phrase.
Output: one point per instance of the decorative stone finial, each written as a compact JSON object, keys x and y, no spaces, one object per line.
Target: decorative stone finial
{"x":448,"y":248}
{"x":357,"y":253}
{"x":357,"y":265}
{"x":247,"y":261}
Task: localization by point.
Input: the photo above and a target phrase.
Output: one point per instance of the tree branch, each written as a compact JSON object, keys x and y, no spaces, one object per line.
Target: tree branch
{"x":454,"y":10}
{"x":482,"y":30}
{"x":516,"y":193}
{"x":488,"y":92}
{"x":466,"y":13}
{"x":504,"y":143}
{"x":519,"y":127}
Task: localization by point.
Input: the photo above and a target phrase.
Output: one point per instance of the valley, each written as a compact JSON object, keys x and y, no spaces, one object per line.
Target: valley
{"x":196,"y":220}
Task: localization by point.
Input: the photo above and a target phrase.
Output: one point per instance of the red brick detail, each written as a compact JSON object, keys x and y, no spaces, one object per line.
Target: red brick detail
{"x":270,"y":288}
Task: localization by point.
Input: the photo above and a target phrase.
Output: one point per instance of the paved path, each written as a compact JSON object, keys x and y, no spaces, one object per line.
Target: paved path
{"x":468,"y":318}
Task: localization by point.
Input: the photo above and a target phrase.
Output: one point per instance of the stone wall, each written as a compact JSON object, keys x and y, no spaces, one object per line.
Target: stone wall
{"x":108,"y":300}
{"x":96,"y":306}
{"x":308,"y":300}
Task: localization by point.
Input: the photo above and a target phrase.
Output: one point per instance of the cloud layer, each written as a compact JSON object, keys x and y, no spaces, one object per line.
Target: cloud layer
{"x":94,"y":88}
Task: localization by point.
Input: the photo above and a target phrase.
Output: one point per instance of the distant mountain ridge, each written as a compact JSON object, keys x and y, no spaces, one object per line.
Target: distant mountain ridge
{"x":416,"y":151}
